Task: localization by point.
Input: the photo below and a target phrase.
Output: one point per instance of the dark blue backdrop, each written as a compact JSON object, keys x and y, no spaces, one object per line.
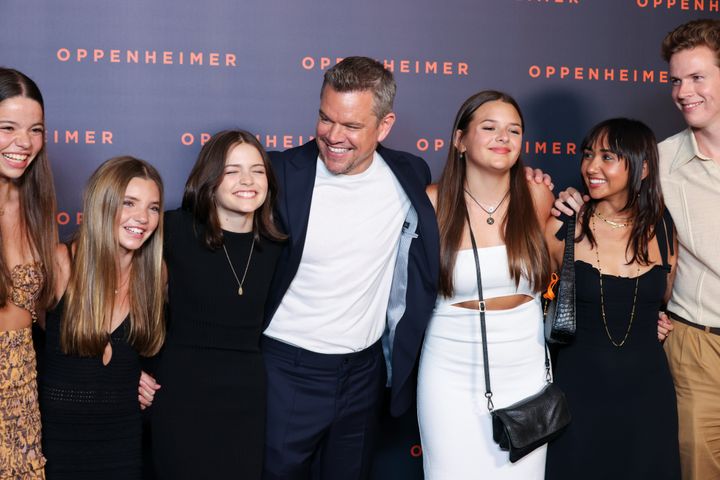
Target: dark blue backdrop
{"x":151,"y":78}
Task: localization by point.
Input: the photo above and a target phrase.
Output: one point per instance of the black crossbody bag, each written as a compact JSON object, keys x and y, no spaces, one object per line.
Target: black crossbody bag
{"x":532,"y":422}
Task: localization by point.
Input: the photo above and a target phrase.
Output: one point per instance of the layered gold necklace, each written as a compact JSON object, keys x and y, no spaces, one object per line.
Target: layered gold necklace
{"x":602,"y":296}
{"x":612,"y":223}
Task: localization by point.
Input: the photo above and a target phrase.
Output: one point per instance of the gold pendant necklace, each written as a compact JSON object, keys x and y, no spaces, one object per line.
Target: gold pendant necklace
{"x":602,"y":298}
{"x":612,"y":223}
{"x":247,"y":265}
{"x":489,"y":210}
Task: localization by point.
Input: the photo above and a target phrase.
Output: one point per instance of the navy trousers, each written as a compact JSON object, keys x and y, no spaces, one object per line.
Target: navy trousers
{"x":322,"y":412}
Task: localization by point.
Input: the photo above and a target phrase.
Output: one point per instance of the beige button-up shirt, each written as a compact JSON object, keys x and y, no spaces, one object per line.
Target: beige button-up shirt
{"x":691,"y":187}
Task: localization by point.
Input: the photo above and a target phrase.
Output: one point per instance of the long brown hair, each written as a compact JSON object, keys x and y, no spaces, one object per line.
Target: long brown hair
{"x":37,"y":199}
{"x":526,"y":249}
{"x":90,"y":293}
{"x":634,"y":143}
{"x":206,"y":176}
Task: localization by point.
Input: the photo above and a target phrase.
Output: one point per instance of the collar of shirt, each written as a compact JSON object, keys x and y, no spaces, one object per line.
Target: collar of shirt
{"x":687,"y":151}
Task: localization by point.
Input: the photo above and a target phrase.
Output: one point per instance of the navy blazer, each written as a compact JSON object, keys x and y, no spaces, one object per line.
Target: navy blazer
{"x":295,"y":171}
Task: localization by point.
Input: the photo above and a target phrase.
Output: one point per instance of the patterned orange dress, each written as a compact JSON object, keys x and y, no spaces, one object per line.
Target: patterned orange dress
{"x":20,"y":454}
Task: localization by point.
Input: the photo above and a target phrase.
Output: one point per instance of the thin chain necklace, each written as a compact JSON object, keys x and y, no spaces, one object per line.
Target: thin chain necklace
{"x":612,"y":223}
{"x":490,"y":210}
{"x":247,"y":265}
{"x":602,"y":298}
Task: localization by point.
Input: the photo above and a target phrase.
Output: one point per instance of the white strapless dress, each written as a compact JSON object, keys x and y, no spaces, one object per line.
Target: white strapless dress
{"x":455,"y":425}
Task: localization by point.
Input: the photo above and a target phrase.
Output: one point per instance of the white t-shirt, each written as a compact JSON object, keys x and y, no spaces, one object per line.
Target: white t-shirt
{"x":338,"y":299}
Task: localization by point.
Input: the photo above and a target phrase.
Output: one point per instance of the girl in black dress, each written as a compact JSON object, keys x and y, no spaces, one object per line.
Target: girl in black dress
{"x":615,"y":373}
{"x":221,"y":247}
{"x":110,"y":313}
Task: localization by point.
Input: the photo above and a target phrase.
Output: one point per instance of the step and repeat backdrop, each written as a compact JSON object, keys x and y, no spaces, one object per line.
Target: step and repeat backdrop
{"x":155,"y":78}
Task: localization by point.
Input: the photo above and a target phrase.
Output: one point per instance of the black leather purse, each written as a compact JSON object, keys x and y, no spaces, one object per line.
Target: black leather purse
{"x":559,"y":307}
{"x":530,"y":423}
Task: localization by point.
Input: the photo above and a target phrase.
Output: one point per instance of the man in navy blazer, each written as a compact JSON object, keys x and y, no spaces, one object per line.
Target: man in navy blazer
{"x":355,"y":286}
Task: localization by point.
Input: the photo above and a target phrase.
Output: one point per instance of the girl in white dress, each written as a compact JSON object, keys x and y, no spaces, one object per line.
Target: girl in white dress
{"x":484,"y":180}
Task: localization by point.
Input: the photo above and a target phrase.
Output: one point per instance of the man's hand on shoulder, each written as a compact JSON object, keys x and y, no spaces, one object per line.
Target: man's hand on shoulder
{"x":569,"y":202}
{"x":538,"y":176}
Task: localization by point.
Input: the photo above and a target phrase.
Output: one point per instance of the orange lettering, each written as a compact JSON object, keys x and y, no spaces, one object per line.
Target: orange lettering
{"x":196,"y":58}
{"x":63,"y":54}
{"x":187,"y":139}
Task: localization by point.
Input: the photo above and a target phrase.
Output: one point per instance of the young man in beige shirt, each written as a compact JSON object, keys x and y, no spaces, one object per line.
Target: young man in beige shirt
{"x":690,"y":179}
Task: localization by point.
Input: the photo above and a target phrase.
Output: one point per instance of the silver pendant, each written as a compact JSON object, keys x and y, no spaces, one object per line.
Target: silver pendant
{"x":240,"y":291}
{"x":490,"y":220}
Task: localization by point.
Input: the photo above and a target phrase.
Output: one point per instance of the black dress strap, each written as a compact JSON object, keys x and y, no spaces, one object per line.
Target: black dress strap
{"x":664,"y":234}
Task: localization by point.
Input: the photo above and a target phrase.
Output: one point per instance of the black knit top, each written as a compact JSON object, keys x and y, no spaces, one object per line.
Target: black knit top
{"x":205,"y":309}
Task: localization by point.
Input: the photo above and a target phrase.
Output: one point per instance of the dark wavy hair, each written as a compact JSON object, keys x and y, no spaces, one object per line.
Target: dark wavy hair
{"x":37,"y":198}
{"x":634,"y":143}
{"x":206,"y":176}
{"x":526,"y":248}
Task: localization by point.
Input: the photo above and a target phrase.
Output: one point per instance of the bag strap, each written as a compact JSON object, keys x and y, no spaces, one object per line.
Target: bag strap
{"x":483,"y":329}
{"x":569,"y":253}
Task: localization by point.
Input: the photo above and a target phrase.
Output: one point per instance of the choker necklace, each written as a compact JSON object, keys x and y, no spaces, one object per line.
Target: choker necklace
{"x":612,"y":223}
{"x":247,"y":265}
{"x":602,"y":299}
{"x":490,"y":210}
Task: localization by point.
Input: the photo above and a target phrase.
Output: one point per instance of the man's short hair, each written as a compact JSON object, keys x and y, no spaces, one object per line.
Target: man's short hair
{"x":704,"y":32}
{"x":355,"y":74}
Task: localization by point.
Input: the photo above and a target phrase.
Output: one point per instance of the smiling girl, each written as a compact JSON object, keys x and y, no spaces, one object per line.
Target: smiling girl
{"x":28,"y":238}
{"x":111,"y":312}
{"x":208,"y":420}
{"x":615,"y":373}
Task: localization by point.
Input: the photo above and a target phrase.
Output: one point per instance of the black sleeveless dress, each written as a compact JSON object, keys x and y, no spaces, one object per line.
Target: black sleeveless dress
{"x":622,"y":399}
{"x":208,"y":418}
{"x":91,"y":424}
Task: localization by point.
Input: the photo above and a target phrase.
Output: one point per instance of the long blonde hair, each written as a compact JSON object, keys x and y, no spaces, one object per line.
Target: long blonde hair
{"x":90,"y":293}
